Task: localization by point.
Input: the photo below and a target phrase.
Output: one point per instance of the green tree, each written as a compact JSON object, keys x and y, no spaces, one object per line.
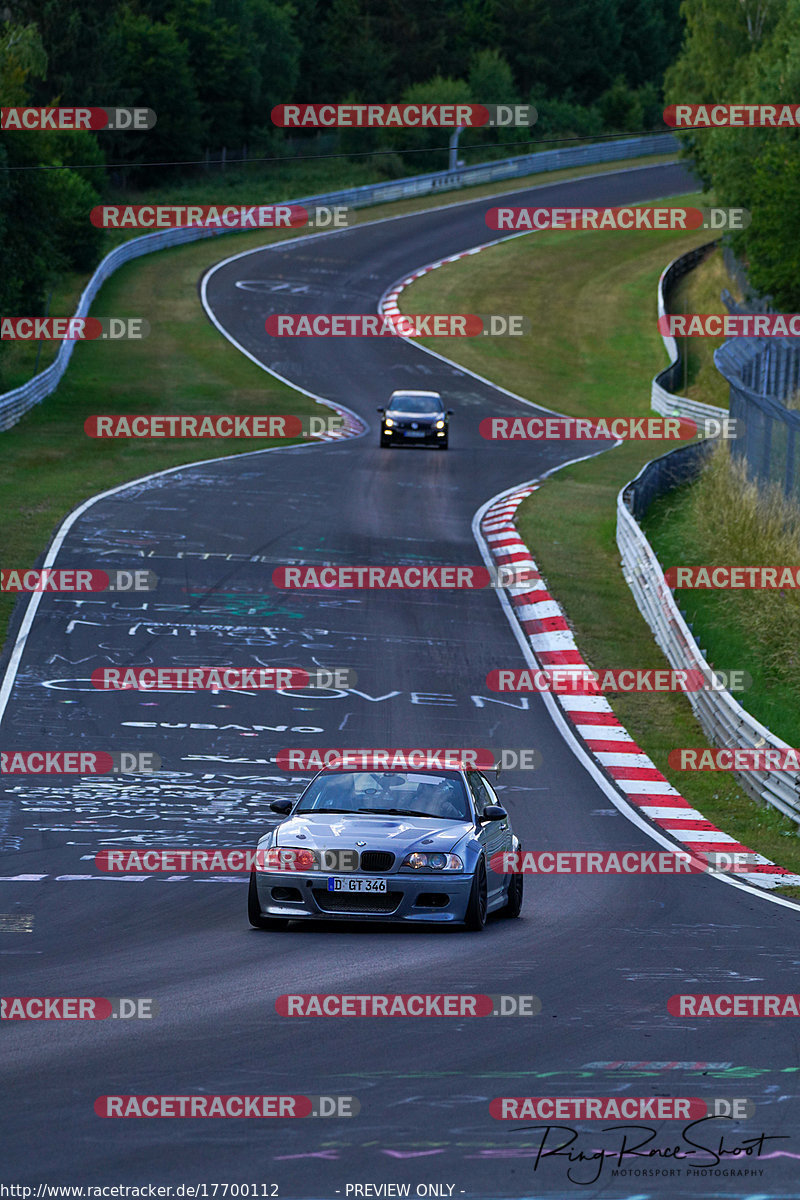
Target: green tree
{"x":439,"y":90}
{"x":307,"y":24}
{"x":650,"y":38}
{"x":748,"y":53}
{"x":243,"y":57}
{"x":625,"y":109}
{"x":562,"y":118}
{"x":153,"y":69}
{"x":568,"y":47}
{"x":44,"y":213}
{"x":75,"y":37}
{"x":759,"y":169}
{"x":355,"y":61}
{"x":491,"y":80}
{"x":271,"y":29}
{"x":715,"y":59}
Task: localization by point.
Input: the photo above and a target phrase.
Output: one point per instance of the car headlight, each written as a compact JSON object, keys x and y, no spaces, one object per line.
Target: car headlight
{"x":419,"y":861}
{"x":388,"y":421}
{"x":440,"y":424}
{"x":287,"y":858}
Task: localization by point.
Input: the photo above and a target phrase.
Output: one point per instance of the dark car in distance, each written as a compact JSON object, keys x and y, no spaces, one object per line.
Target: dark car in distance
{"x":415,"y":417}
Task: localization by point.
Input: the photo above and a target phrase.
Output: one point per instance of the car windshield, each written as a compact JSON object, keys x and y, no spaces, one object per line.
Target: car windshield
{"x":415,"y":404}
{"x":438,"y":794}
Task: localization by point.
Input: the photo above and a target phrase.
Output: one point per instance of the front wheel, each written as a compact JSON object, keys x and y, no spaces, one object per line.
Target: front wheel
{"x":513,"y":904}
{"x":254,"y":913}
{"x":478,"y":904}
{"x":385,"y":442}
{"x":443,"y":445}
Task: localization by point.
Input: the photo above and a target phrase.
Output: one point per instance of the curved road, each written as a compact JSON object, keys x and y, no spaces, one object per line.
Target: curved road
{"x":602,"y":954}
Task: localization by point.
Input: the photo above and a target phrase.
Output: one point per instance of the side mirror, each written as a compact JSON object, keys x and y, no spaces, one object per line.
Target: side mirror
{"x":283,"y":807}
{"x":449,"y":412}
{"x":380,"y":410}
{"x":494,"y":812}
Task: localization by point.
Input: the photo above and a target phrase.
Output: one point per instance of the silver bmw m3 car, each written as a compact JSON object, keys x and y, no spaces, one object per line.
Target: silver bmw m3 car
{"x":393,"y":846}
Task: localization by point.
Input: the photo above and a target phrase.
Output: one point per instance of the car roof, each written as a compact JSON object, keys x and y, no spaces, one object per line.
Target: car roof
{"x":393,"y":771}
{"x":461,"y":772}
{"x":408,"y":392}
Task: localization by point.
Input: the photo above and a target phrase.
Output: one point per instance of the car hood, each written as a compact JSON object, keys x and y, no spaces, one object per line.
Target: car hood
{"x":393,"y":833}
{"x":410,"y":416}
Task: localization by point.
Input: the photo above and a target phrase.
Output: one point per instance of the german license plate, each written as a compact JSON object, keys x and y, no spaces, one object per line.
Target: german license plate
{"x":415,"y":433}
{"x":338,"y":884}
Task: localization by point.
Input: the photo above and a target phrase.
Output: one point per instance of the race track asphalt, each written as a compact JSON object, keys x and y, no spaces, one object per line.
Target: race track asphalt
{"x":603,"y":954}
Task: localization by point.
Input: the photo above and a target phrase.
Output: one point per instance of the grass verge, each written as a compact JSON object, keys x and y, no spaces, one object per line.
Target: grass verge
{"x":594,"y":350}
{"x":719,"y":519}
{"x":20,"y":359}
{"x":48,"y":465}
{"x":699,"y":292}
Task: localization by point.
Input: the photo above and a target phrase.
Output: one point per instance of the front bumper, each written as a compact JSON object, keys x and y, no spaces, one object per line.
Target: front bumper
{"x":441,"y":898}
{"x":400,"y":434}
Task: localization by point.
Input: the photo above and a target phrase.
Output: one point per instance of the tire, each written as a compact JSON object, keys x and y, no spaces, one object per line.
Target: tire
{"x":443,"y":445}
{"x":385,"y":442}
{"x":475,"y":918}
{"x":513,"y":905}
{"x":254,"y":914}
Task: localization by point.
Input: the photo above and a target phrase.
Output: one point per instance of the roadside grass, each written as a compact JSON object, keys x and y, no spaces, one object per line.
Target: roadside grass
{"x":699,"y":292}
{"x":721,"y":519}
{"x":233,"y":187}
{"x":595,"y":346}
{"x":48,"y":465}
{"x":594,"y":350}
{"x":22,"y":360}
{"x":594,"y":339}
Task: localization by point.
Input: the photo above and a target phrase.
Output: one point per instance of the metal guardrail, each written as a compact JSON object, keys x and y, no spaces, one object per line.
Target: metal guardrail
{"x":762,"y":374}
{"x":722,"y":718}
{"x":724,"y":721}
{"x":662,"y":400}
{"x":504,"y":168}
{"x":16,"y":403}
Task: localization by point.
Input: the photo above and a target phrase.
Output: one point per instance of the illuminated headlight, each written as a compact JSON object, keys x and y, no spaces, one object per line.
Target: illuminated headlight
{"x":418,"y":861}
{"x":388,"y":421}
{"x":287,"y":858}
{"x":440,"y":424}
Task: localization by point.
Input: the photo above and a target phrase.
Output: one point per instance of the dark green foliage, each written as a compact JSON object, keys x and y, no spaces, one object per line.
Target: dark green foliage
{"x":212,"y":70}
{"x":748,"y":53}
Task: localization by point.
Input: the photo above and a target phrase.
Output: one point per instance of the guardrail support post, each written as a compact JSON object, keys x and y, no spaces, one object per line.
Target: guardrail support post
{"x":454,"y":136}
